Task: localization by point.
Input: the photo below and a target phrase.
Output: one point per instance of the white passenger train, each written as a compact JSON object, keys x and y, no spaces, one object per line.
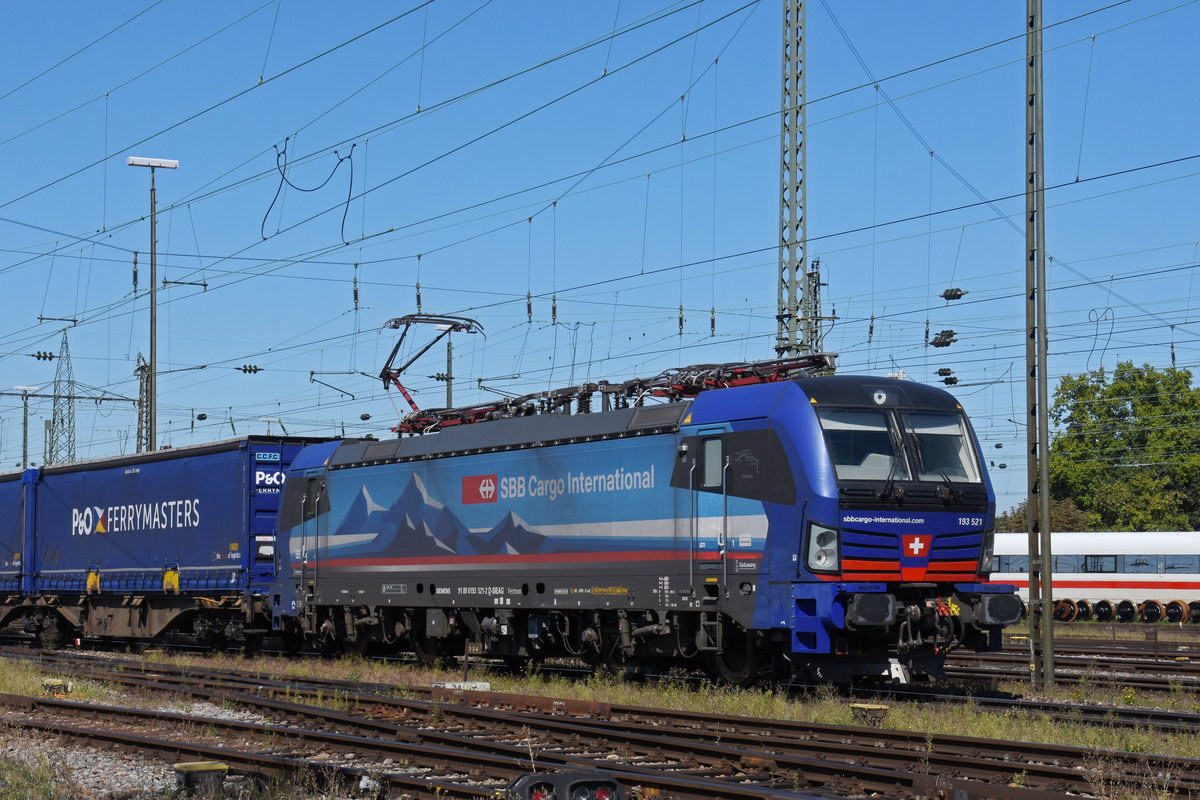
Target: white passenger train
{"x":1112,"y":575}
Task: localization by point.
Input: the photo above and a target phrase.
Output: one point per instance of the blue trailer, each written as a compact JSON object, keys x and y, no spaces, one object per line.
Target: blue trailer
{"x":12,"y":537}
{"x":137,"y":545}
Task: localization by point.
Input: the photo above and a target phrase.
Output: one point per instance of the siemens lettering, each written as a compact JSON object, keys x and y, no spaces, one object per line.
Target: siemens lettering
{"x":165,"y":515}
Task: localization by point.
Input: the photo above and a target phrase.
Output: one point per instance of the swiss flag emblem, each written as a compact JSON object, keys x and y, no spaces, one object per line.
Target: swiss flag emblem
{"x":914,"y":556}
{"x":479,"y":489}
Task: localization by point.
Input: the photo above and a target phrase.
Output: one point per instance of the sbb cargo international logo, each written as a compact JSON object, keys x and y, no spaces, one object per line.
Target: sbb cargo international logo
{"x":479,"y":489}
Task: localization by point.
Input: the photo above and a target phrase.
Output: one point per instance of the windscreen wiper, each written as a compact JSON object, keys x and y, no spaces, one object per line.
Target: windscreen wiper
{"x":947,"y":489}
{"x":890,"y":489}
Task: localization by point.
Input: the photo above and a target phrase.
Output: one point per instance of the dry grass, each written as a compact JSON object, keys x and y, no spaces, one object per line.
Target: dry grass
{"x":25,"y":677}
{"x":825,"y":706}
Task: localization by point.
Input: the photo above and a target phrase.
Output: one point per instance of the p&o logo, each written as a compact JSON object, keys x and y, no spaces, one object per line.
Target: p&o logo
{"x":88,"y":521}
{"x":478,"y":489}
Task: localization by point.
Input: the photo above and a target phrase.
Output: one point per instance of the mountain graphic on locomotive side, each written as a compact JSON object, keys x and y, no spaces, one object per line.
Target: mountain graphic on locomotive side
{"x":748,"y":519}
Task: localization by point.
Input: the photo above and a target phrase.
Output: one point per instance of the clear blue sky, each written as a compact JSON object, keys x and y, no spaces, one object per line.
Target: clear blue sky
{"x":543,"y":148}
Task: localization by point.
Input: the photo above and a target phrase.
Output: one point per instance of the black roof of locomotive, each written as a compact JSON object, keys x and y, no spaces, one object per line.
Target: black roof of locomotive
{"x":514,"y":433}
{"x":860,"y":391}
{"x":539,"y":430}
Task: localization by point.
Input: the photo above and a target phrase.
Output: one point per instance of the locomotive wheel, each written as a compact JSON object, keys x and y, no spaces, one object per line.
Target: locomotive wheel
{"x":293,"y":639}
{"x":616,"y":663}
{"x":432,"y":652}
{"x":737,"y":665}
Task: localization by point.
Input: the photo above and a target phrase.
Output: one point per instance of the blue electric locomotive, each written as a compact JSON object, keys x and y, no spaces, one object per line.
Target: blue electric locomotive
{"x":833,"y":526}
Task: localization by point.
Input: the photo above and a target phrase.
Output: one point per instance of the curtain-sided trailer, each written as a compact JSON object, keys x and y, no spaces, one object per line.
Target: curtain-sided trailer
{"x":134,"y":546}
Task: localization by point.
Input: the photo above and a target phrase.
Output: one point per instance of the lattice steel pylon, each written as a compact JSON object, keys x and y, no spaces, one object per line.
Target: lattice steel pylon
{"x":62,"y":419}
{"x":812,"y":316}
{"x":143,"y":403}
{"x":791,"y":184}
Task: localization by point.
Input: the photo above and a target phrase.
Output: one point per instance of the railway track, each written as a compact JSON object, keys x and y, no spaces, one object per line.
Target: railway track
{"x":1113,"y":668}
{"x":732,"y":756}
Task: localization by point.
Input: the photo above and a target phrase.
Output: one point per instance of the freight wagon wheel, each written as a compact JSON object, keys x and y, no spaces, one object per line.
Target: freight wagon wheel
{"x":1177,"y":612}
{"x":218,"y":642}
{"x":1194,"y":612}
{"x":1085,"y":611}
{"x":1104,"y":610}
{"x":252,"y":645}
{"x":737,"y":664}
{"x":1126,"y":611}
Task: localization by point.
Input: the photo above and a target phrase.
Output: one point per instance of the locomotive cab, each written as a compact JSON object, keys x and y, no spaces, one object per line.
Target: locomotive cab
{"x":901,"y":542}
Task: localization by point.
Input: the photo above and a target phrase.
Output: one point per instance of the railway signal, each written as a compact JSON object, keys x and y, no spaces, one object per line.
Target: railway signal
{"x":944,"y":339}
{"x":565,"y":785}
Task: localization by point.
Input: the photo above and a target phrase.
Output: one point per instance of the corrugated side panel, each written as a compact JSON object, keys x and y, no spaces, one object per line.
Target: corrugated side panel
{"x":11,"y":536}
{"x":270,"y":460}
{"x":131,"y":521}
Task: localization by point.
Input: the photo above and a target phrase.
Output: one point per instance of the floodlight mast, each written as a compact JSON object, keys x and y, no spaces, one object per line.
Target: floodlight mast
{"x":152,"y":377}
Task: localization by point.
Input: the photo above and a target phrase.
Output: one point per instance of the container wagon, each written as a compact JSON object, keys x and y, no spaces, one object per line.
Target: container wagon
{"x":134,"y":546}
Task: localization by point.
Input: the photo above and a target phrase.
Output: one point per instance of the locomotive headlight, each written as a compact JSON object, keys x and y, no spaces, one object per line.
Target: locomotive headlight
{"x":822,"y":549}
{"x":986,"y":554}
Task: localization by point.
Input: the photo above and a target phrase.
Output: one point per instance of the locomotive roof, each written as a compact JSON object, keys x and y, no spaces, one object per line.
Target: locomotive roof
{"x":562,"y":428}
{"x":516,"y":432}
{"x":860,"y":390}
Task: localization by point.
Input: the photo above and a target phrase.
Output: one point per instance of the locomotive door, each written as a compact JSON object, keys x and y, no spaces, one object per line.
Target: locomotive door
{"x":311,"y":537}
{"x":708,"y":534}
{"x":710,"y":507}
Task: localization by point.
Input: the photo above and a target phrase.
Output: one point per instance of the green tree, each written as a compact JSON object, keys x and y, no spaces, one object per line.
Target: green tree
{"x":1064,"y":516}
{"x":1127,"y":448}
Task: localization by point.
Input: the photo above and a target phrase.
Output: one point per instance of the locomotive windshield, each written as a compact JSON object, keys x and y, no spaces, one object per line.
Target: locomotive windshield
{"x":942,"y":446}
{"x":863,"y":444}
{"x":879,"y":445}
